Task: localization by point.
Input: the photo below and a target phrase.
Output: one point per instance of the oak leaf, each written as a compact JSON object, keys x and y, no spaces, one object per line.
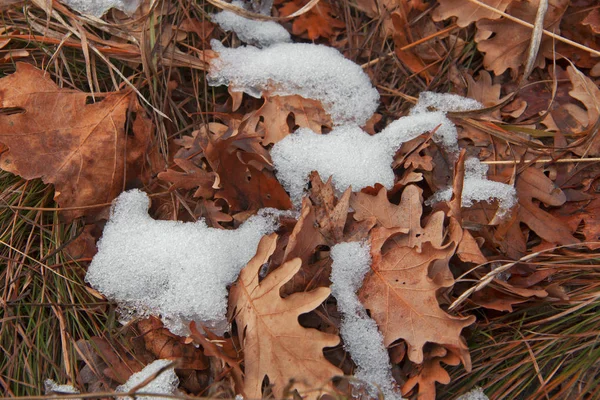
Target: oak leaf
{"x":165,"y":345}
{"x":430,"y":372}
{"x":410,"y":264}
{"x":279,"y":115}
{"x":318,"y":22}
{"x":51,"y":133}
{"x":192,"y":177}
{"x":508,"y":48}
{"x":467,"y":12}
{"x":275,"y":345}
{"x":247,"y":184}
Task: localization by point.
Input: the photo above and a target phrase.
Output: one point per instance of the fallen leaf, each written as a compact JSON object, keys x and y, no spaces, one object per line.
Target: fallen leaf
{"x":244,"y":186}
{"x":165,"y":345}
{"x":192,"y":177}
{"x":507,"y":49}
{"x":430,"y":372}
{"x":280,"y":115}
{"x":467,"y":12}
{"x":78,"y":147}
{"x":212,"y":213}
{"x":319,"y":21}
{"x":409,"y":266}
{"x":275,"y":345}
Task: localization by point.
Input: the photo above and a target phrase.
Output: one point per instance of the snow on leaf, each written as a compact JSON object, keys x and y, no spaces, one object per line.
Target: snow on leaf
{"x":80,"y":148}
{"x":275,"y":344}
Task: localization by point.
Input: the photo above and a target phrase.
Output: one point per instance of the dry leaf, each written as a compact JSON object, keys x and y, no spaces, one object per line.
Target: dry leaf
{"x":79,"y":147}
{"x":165,"y":345}
{"x":467,"y":12}
{"x":279,"y":116}
{"x":318,"y":22}
{"x":430,"y":372}
{"x":508,"y":48}
{"x":192,"y":177}
{"x":275,"y":345}
{"x":244,"y":186}
{"x":410,"y":264}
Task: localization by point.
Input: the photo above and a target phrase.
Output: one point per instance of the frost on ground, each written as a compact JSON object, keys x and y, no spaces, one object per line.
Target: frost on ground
{"x":169,"y":268}
{"x":312,"y":71}
{"x":97,"y":8}
{"x":51,"y":387}
{"x":166,"y":383}
{"x":475,"y":394}
{"x":446,"y":102}
{"x":362,"y":339}
{"x":261,"y":33}
{"x":478,"y":188}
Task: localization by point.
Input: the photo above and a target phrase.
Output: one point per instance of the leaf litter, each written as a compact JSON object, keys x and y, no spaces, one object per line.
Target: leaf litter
{"x":367,"y":234}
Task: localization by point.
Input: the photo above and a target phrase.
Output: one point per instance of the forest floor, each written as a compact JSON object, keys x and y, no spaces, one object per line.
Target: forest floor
{"x":464,"y":294}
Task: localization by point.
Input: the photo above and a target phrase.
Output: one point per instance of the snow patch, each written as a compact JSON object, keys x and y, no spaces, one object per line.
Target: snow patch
{"x":165,"y":383}
{"x":51,"y":387}
{"x":362,"y":339}
{"x":351,"y":156}
{"x":261,"y":33}
{"x":177,"y":270}
{"x":97,"y":8}
{"x":475,"y":394}
{"x":478,"y":188}
{"x":312,"y":71}
{"x":446,"y":102}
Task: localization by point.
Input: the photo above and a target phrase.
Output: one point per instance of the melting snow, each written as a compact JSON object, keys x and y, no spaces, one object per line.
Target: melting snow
{"x":475,"y":394}
{"x":169,"y":268}
{"x":52,"y":387}
{"x":97,"y":8}
{"x":478,"y":188}
{"x":261,"y":33}
{"x":362,"y":339}
{"x":165,"y":383}
{"x":311,"y":71}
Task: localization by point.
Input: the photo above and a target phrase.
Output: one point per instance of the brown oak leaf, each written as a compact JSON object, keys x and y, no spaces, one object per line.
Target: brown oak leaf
{"x":165,"y":345}
{"x":273,"y":118}
{"x":467,"y":12}
{"x":51,"y":133}
{"x":318,"y":22}
{"x":508,"y":48}
{"x":192,"y":177}
{"x":430,"y":372}
{"x":275,"y":345}
{"x":410,"y":264}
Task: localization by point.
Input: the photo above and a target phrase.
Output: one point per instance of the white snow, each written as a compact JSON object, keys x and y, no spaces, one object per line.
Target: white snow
{"x":312,"y":71}
{"x":477,"y":187}
{"x":169,"y":268}
{"x":446,"y":102}
{"x":97,"y":8}
{"x":475,"y":394}
{"x":165,"y":383}
{"x":362,"y":339}
{"x":51,"y":387}
{"x":351,"y":156}
{"x":261,"y":33}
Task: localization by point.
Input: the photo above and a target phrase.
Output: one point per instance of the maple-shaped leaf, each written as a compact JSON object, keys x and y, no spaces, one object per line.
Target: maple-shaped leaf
{"x":467,"y":12}
{"x":273,"y":118}
{"x":318,"y":22}
{"x":275,"y":345}
{"x":192,"y":177}
{"x":51,"y":133}
{"x":409,"y":266}
{"x":507,"y":49}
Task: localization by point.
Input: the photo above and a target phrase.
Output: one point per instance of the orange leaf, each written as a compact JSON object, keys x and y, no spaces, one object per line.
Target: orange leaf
{"x":80,"y":148}
{"x":275,"y":345}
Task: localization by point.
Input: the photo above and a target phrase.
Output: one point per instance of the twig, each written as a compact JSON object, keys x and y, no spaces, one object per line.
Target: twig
{"x":543,"y":160}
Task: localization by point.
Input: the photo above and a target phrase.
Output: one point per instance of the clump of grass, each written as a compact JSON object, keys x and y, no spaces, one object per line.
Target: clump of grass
{"x":543,"y":350}
{"x":45,"y":306}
